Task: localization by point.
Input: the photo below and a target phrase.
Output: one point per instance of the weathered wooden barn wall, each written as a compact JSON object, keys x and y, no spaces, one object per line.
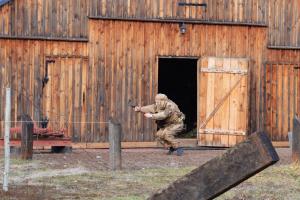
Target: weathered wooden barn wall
{"x":4,"y":19}
{"x":284,"y":23}
{"x":254,"y":11}
{"x":46,"y":18}
{"x":130,"y":47}
{"x":68,"y":18}
{"x":124,"y":55}
{"x":283,"y":55}
{"x":280,"y":92}
{"x":22,"y":67}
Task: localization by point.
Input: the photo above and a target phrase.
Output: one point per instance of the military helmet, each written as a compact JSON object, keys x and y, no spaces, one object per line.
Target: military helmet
{"x":161,"y":97}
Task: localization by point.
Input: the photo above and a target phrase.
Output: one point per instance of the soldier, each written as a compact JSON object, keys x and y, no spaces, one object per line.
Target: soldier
{"x":169,"y":120}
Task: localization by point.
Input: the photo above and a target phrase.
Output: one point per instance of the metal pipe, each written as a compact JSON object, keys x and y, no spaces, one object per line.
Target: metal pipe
{"x":6,"y":140}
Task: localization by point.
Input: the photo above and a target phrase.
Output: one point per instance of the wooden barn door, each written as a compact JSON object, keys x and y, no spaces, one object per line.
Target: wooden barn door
{"x":64,"y":95}
{"x":281,"y":99}
{"x":222,"y":101}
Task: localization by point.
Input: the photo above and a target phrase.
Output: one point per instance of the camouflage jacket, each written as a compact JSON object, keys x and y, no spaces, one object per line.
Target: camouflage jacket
{"x":166,"y":116}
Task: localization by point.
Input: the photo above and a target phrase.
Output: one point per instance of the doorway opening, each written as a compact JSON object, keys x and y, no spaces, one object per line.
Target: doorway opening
{"x":177,"y":78}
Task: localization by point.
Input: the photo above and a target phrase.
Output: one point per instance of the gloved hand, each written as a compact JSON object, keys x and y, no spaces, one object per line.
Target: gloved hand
{"x":137,"y":108}
{"x":148,"y":115}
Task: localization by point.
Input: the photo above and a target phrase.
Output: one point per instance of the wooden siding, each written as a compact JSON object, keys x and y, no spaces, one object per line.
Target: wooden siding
{"x":278,"y":84}
{"x":281,"y":98}
{"x":255,"y":11}
{"x":64,"y":99}
{"x":223,"y":101}
{"x":284,"y":23}
{"x":4,"y":19}
{"x":48,"y":18}
{"x":124,"y":57}
{"x":292,"y":56}
{"x":22,"y":67}
{"x":68,"y":18}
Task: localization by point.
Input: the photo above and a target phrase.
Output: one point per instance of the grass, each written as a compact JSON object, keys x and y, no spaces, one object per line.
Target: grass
{"x":279,"y":182}
{"x":121,"y":185}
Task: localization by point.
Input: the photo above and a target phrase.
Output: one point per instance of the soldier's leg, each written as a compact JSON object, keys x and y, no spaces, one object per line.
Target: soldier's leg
{"x":160,"y":137}
{"x":170,"y":132}
{"x":170,"y":137}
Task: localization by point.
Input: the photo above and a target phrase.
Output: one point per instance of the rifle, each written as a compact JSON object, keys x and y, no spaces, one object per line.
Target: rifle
{"x":131,"y":103}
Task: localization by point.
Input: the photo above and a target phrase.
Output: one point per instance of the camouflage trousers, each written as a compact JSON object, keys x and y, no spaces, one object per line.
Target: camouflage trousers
{"x":166,"y":135}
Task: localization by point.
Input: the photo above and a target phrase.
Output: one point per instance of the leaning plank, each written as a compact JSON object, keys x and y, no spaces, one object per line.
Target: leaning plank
{"x":224,"y":172}
{"x":296,"y":141}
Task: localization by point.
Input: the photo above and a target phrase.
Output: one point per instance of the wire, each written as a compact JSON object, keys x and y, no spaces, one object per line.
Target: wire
{"x":82,"y":122}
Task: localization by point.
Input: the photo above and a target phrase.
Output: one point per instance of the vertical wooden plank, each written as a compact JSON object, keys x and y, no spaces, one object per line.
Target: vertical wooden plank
{"x":210,"y":92}
{"x":65,"y":18}
{"x":202,"y":92}
{"x":219,"y":81}
{"x":278,"y":102}
{"x":268,"y":91}
{"x":56,"y":98}
{"x":234,"y":99}
{"x":62,"y":94}
{"x":274,"y":101}
{"x":290,"y":96}
{"x":129,"y":53}
{"x":285,"y":103}
{"x":225,"y":114}
{"x":58,"y":18}
{"x":243,"y":106}
{"x":210,"y":99}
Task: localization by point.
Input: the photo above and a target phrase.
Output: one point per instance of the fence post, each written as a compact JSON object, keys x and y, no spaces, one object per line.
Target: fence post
{"x":115,"y":131}
{"x":26,"y":138}
{"x":6,"y":139}
{"x":296,"y":141}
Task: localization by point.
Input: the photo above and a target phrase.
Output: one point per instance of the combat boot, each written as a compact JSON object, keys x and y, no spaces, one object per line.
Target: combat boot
{"x":171,"y":150}
{"x":179,"y":151}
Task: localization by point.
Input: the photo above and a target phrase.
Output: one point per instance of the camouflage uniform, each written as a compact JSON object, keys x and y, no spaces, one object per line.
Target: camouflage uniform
{"x":168,"y":118}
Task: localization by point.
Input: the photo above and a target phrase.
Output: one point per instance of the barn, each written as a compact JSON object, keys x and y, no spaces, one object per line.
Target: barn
{"x":231,"y":65}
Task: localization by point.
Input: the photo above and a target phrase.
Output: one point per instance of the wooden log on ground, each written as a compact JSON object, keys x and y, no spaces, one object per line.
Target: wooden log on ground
{"x":26,"y":138}
{"x":296,"y":141}
{"x":115,"y":131}
{"x":224,"y":172}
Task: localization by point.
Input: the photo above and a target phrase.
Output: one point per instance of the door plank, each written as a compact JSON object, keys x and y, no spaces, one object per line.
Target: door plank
{"x":223,"y":101}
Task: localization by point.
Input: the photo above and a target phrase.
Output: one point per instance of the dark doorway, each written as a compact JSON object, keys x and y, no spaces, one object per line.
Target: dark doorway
{"x":177,"y":78}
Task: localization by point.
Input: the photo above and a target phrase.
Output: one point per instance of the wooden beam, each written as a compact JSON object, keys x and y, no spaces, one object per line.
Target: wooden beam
{"x":280,"y":144}
{"x":61,"y":39}
{"x":284,"y":47}
{"x":224,"y":172}
{"x":128,"y":145}
{"x":186,"y":21}
{"x":26,"y":138}
{"x":115,"y":131}
{"x":296,"y":141}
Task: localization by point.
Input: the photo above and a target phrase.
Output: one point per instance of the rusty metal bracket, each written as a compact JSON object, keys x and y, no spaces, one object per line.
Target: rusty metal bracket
{"x":46,"y":77}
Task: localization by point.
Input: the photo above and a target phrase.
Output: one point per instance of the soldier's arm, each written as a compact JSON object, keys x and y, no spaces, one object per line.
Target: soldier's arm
{"x":162,"y":115}
{"x":148,"y":109}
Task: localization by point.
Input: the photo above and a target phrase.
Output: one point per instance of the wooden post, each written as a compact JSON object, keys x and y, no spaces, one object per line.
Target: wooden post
{"x":26,"y":137}
{"x":115,"y":144}
{"x":296,"y":141}
{"x":224,"y":172}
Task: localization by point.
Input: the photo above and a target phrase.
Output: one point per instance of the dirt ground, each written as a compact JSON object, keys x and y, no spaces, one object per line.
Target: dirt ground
{"x":85,"y":174}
